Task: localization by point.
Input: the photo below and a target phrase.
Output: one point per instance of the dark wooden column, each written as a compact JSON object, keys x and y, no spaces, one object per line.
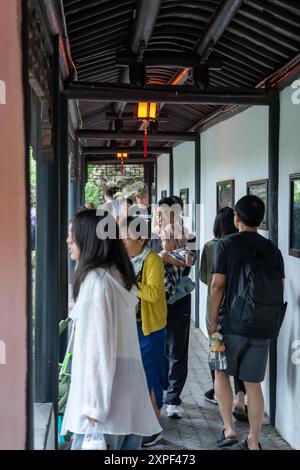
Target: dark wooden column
{"x":51,"y":272}
{"x":80,"y":180}
{"x":63,"y":215}
{"x":149,"y":178}
{"x":72,"y":199}
{"x":171,"y":173}
{"x":274,"y":128}
{"x":197,"y":222}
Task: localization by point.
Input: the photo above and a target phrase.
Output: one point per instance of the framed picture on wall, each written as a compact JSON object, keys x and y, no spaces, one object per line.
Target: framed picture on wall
{"x":260,"y":189}
{"x":163,"y":194}
{"x":295,"y":215}
{"x":225,"y":194}
{"x":184,"y":195}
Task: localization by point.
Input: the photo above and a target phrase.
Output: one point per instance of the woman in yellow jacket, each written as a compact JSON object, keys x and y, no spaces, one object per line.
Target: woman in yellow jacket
{"x":151,"y":313}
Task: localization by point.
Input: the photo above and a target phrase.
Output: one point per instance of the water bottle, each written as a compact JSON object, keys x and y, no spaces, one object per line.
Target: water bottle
{"x":217,"y":358}
{"x":93,"y":439}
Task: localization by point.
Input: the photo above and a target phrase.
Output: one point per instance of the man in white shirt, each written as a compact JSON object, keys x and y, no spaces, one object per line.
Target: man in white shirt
{"x":111,"y":204}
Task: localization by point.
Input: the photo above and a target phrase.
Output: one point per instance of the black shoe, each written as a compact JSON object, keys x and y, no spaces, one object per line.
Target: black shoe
{"x":210,"y":397}
{"x":226,"y":441}
{"x":151,"y":440}
{"x":244,"y":445}
{"x":241,"y":415}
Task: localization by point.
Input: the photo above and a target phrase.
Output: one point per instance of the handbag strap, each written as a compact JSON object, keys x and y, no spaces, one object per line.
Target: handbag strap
{"x":63,"y":325}
{"x":69,"y":349}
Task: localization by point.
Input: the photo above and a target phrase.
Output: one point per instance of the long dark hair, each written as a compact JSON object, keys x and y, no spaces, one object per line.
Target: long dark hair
{"x":224,"y":223}
{"x":96,"y":252}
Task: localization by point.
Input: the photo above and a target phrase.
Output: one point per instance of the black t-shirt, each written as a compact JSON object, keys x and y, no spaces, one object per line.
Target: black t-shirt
{"x":228,"y":257}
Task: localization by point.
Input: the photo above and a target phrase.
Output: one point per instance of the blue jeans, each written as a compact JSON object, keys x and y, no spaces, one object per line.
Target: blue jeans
{"x":113,"y":442}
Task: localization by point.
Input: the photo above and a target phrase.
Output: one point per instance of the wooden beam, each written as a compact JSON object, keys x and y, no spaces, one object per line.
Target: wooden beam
{"x":129,"y":150}
{"x":223,"y":15}
{"x":129,"y":135}
{"x":114,"y":161}
{"x":170,"y":59}
{"x":131,"y":117}
{"x":167,"y":94}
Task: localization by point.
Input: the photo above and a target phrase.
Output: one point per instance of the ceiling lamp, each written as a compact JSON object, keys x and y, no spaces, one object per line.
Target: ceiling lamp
{"x":122,"y":156}
{"x":147,"y":112}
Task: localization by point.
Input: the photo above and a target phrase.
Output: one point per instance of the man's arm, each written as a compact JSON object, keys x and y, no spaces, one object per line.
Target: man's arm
{"x":171,"y":260}
{"x":216,"y":292}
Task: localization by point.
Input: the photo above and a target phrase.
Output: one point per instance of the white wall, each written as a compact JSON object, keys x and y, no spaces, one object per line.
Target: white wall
{"x":235,"y":149}
{"x":184,"y":177}
{"x":184,"y":174}
{"x":288,"y":378}
{"x":163,"y":174}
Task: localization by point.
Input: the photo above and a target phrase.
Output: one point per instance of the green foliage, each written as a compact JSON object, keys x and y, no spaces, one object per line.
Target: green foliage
{"x":93,"y":193}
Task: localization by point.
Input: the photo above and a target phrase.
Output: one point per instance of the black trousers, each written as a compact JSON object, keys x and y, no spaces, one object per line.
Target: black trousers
{"x":177,"y":344}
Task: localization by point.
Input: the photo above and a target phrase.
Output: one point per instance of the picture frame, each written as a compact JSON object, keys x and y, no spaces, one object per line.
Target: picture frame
{"x":294,"y":225}
{"x":184,"y":196}
{"x":225,"y":194}
{"x":260,"y":188}
{"x":163,"y":194}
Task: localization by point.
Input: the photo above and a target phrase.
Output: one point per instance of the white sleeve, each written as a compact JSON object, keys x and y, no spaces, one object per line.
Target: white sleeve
{"x":101,"y":355}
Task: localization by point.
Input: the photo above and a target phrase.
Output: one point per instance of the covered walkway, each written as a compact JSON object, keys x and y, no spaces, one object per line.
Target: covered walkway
{"x":224,"y":76}
{"x":201,"y":425}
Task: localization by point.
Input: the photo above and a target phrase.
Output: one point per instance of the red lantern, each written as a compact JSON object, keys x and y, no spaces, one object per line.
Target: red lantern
{"x":122,"y":156}
{"x":146,"y":112}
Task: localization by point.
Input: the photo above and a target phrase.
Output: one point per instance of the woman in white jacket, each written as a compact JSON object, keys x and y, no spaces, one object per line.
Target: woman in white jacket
{"x":108,"y":383}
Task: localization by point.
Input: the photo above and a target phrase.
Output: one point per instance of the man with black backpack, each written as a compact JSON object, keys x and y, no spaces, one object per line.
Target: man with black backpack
{"x":247,"y":308}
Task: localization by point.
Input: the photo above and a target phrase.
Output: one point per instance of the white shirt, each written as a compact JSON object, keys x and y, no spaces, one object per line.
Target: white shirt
{"x":112,"y":205}
{"x":108,"y":380}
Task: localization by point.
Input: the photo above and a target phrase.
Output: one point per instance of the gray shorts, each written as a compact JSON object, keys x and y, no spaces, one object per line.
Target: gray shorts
{"x":246,"y":358}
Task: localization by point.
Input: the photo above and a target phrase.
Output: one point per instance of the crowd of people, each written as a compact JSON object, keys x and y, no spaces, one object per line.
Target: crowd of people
{"x":132,"y":313}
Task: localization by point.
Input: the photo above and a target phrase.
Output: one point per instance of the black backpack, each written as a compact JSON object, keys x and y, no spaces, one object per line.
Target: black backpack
{"x":257,"y":310}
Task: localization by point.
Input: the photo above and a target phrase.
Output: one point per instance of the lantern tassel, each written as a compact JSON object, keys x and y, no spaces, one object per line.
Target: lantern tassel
{"x":145,"y":142}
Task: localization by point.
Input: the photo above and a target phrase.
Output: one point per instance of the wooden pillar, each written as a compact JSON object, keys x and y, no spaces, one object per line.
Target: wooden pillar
{"x":274,"y":128}
{"x":197,"y":222}
{"x":63,"y":216}
{"x":149,"y":178}
{"x":51,"y":260}
{"x":171,"y":174}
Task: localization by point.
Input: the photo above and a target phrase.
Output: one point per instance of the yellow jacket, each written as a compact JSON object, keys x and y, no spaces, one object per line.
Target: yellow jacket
{"x":152,"y":295}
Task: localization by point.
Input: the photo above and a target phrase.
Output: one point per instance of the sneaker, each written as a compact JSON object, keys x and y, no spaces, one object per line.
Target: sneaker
{"x":175,"y":411}
{"x":210,"y":397}
{"x":151,"y":440}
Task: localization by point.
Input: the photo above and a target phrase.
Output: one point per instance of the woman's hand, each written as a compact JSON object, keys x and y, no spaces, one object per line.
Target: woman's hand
{"x":189,"y":259}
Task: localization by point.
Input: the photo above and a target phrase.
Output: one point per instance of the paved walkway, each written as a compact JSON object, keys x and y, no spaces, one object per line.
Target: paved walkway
{"x":201,"y":426}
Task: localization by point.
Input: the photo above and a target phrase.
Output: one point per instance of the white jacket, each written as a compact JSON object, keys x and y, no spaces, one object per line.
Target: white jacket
{"x":108,"y":381}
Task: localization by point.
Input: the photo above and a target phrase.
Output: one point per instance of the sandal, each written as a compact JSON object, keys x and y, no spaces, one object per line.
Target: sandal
{"x":226,"y":441}
{"x":241,"y":415}
{"x":244,"y":445}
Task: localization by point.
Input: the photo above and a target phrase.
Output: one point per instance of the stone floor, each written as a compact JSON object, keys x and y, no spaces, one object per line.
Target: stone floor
{"x":201,"y":425}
